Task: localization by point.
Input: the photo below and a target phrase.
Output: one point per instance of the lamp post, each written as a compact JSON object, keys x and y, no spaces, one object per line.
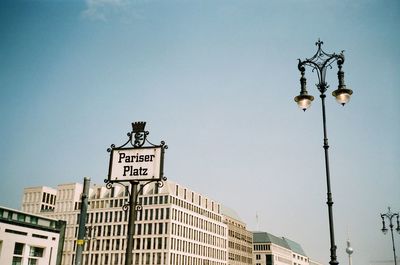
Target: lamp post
{"x":390,"y":216}
{"x":319,"y":63}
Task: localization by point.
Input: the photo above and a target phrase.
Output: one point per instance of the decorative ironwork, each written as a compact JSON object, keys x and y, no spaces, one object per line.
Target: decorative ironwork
{"x":319,"y":63}
{"x":136,"y":138}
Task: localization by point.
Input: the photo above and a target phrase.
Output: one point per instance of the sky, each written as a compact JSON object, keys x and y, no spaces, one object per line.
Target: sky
{"x":215,"y":80}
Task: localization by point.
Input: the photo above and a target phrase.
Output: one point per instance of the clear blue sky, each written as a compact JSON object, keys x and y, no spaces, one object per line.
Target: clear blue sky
{"x":216,"y":81}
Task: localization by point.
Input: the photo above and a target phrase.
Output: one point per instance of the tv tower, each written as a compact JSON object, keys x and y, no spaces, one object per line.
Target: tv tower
{"x":349,"y":251}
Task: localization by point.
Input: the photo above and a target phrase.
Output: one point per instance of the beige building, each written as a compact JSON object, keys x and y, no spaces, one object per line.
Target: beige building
{"x":240,"y":240}
{"x":39,"y":199}
{"x":175,"y":226}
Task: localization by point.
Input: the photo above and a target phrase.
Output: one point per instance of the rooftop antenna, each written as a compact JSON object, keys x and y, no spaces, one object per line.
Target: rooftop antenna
{"x":257,"y":223}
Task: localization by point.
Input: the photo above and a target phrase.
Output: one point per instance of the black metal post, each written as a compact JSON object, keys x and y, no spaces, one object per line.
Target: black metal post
{"x":389,"y":215}
{"x":394,"y":249}
{"x":82,"y":222}
{"x":131,"y":222}
{"x":328,"y":184}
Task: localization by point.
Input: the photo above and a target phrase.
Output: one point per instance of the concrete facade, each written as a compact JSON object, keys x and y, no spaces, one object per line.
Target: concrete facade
{"x":27,"y":239}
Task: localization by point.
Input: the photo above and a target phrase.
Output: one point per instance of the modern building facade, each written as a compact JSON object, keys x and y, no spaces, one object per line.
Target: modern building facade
{"x":27,"y":239}
{"x":175,"y":225}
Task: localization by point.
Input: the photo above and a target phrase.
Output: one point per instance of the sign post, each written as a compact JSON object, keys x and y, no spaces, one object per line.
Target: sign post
{"x":134,"y":165}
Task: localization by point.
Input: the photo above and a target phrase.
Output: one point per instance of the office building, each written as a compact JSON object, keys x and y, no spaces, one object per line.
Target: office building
{"x":175,"y":225}
{"x":28,"y":239}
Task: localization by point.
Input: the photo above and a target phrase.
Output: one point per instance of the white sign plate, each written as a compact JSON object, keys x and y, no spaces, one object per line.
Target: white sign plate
{"x":135,"y":164}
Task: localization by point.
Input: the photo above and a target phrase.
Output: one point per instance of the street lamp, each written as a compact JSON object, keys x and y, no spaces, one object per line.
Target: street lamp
{"x":389,"y":215}
{"x":319,"y":63}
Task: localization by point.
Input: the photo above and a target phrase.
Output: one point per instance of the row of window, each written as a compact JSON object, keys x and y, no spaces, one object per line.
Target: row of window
{"x":188,"y":219}
{"x":299,"y":257}
{"x":143,"y":258}
{"x":26,"y":218}
{"x":97,"y":231}
{"x":199,"y":199}
{"x":119,"y":202}
{"x":196,"y":249}
{"x":122,"y":216}
{"x":241,"y":258}
{"x":179,"y":259}
{"x":240,"y":236}
{"x":240,"y":247}
{"x":196,"y":209}
{"x":151,"y":228}
{"x":34,"y":254}
{"x":198,"y":236}
{"x":18,"y":216}
{"x":48,"y":198}
{"x":262,"y":247}
{"x":105,"y":217}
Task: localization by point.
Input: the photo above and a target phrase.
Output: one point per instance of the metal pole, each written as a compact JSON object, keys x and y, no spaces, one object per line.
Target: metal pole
{"x":394,"y":249}
{"x":82,"y":221}
{"x":328,"y":183}
{"x":62,"y":226}
{"x":131,"y":222}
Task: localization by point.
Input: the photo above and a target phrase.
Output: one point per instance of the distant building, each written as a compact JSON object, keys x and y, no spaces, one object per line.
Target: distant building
{"x":272,"y":250}
{"x":27,"y":239}
{"x":240,"y":240}
{"x":299,"y":256}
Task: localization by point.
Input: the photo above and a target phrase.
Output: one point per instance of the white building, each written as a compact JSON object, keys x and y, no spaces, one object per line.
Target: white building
{"x":175,"y":226}
{"x":272,"y":250}
{"x":27,"y":239}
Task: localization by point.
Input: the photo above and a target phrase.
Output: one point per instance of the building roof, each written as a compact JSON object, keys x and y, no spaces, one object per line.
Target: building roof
{"x":295,"y":247}
{"x":264,"y":237}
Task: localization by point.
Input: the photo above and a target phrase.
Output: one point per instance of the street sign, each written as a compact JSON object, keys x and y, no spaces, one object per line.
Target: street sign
{"x":136,"y":164}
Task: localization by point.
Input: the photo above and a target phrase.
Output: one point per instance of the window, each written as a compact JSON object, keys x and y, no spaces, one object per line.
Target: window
{"x":32,"y":261}
{"x":18,"y":248}
{"x":258,"y":257}
{"x":16,"y":261}
{"x":21,"y":217}
{"x":269,"y":259}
